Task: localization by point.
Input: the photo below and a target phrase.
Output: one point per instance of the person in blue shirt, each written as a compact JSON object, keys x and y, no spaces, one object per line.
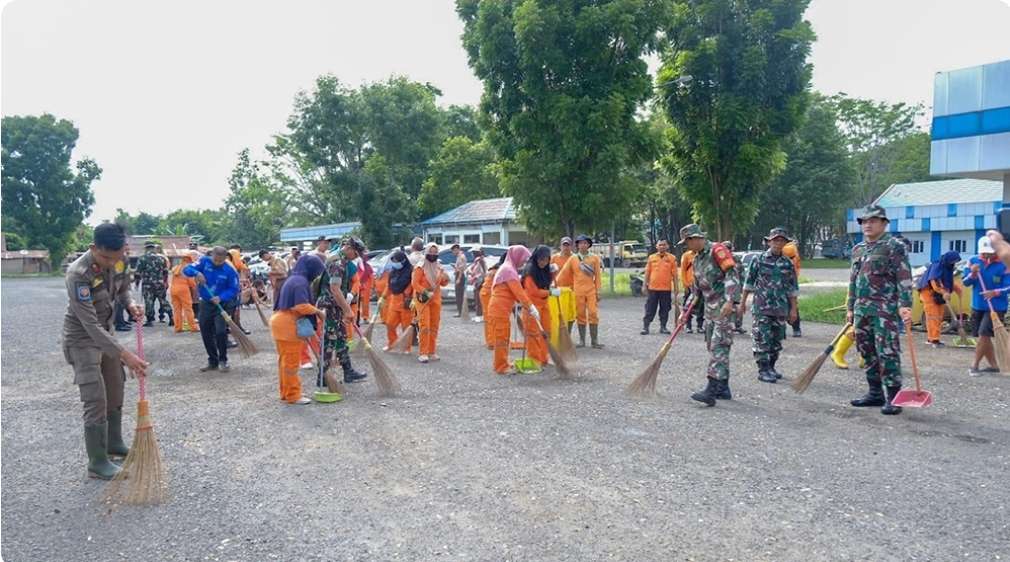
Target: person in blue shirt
{"x":217,"y":284}
{"x":987,"y":269}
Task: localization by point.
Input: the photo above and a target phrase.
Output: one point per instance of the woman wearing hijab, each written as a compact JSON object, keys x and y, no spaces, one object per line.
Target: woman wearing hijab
{"x":506,"y":290}
{"x":427,"y":281}
{"x":182,"y":297}
{"x":485,"y":299}
{"x":537,"y":284}
{"x":397,"y":297}
{"x":294,"y":302}
{"x":935,"y":287}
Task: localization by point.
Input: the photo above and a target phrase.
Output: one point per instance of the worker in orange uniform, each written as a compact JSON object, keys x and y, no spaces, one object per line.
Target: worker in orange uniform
{"x":558,"y":262}
{"x":792,"y":251}
{"x":584,"y":273}
{"x":661,"y":282}
{"x":935,"y":286}
{"x":236,"y":261}
{"x":294,"y":302}
{"x":181,"y":291}
{"x":485,"y":299}
{"x":427,"y":282}
{"x":536,"y":280}
{"x":396,"y":298}
{"x":506,"y":290}
{"x":687,"y":276}
{"x":381,"y":282}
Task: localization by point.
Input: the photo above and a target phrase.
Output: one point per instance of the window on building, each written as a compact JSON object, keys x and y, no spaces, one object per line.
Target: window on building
{"x":451,"y":239}
{"x":471,"y":238}
{"x":492,"y":238}
{"x":436,"y":238}
{"x":959,"y":246}
{"x":918,"y":247}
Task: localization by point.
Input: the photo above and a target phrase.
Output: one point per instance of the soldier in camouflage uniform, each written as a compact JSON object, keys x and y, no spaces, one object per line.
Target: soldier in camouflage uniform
{"x":334,"y":294}
{"x":716,"y":279}
{"x":771,"y":278}
{"x":152,"y":271}
{"x":880,"y":296}
{"x":738,"y":310}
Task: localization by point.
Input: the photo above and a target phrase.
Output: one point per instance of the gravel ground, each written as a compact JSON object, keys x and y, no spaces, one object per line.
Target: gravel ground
{"x":471,"y":466}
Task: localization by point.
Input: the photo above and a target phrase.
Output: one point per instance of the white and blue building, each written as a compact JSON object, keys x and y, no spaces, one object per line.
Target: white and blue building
{"x":969,"y":143}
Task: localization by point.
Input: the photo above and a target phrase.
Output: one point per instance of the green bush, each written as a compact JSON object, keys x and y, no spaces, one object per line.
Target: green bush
{"x":814,"y":305}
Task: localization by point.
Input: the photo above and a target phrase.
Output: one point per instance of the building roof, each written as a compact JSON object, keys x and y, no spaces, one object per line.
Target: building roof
{"x":25,"y":254}
{"x":301,"y":233}
{"x":941,"y":192}
{"x":496,"y":210}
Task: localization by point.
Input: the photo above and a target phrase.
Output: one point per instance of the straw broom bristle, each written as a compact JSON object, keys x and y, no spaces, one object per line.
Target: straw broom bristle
{"x":245,"y":344}
{"x":565,"y":346}
{"x":800,"y":384}
{"x":256,"y":302}
{"x":403,"y":342}
{"x":645,"y":383}
{"x":564,"y":372}
{"x":142,"y":478}
{"x":384,"y":378}
{"x":1002,"y":345}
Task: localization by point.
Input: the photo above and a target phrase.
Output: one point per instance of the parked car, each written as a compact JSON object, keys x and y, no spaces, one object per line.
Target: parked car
{"x":491,"y":255}
{"x":837,"y":248}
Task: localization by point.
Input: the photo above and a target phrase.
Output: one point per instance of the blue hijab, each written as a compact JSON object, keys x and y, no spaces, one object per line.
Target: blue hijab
{"x":942,"y":271}
{"x":297,"y":288}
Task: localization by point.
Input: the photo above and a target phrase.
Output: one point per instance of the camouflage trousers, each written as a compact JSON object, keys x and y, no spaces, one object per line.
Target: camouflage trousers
{"x":719,"y":339}
{"x":152,"y":294}
{"x":878,"y":339}
{"x":767,"y":333}
{"x":334,"y":337}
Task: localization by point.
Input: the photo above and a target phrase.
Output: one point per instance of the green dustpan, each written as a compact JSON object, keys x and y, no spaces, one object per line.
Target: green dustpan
{"x":326,"y":397}
{"x":527,"y":366}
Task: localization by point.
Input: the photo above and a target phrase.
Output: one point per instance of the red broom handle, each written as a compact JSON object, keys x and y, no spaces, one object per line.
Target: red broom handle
{"x":140,"y":353}
{"x":683,"y":317}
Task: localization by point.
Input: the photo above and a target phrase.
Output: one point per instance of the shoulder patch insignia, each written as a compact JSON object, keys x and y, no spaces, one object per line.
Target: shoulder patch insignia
{"x":83,"y":292}
{"x":120,"y":267}
{"x":97,"y":281}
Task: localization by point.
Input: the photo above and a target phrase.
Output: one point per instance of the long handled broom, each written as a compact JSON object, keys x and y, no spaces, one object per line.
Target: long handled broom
{"x":384,"y":378}
{"x":1002,"y":336}
{"x":367,"y":331}
{"x":564,"y":373}
{"x":142,"y":478}
{"x":256,"y":301}
{"x":800,"y":384}
{"x":962,"y":339}
{"x":645,"y":383}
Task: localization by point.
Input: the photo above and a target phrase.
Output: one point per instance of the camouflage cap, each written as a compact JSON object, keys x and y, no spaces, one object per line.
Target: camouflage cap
{"x":777,"y":233}
{"x":690,"y":231}
{"x":871,"y":212}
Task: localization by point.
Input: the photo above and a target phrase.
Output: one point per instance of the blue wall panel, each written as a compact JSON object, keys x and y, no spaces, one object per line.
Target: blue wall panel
{"x":934,"y":246}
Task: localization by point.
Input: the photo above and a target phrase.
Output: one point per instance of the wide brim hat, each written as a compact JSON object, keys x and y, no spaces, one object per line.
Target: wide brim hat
{"x":873,"y":211}
{"x":583,"y":237}
{"x":566,"y":240}
{"x":691,"y":231}
{"x":777,"y":233}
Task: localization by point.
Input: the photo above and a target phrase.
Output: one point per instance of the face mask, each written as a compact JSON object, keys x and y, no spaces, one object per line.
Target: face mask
{"x":431,"y":257}
{"x":397,"y":264}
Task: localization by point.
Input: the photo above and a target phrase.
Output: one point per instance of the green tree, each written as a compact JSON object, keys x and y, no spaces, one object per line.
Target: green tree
{"x":733,"y":84}
{"x":461,"y":121}
{"x":142,"y":224}
{"x":562,"y":84}
{"x":463,"y":170}
{"x":810,"y":196}
{"x":255,"y":209}
{"x":44,"y":198}
{"x":885,"y":143}
{"x":204,"y":226}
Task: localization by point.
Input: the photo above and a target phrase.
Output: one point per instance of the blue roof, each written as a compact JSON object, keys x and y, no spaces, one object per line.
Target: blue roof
{"x":300,"y":233}
{"x":496,"y":210}
{"x":941,"y":192}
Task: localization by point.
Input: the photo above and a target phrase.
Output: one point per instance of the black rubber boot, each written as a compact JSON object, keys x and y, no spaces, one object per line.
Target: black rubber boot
{"x":707,"y":396}
{"x":764,"y":372}
{"x":582,"y":336}
{"x":594,"y":336}
{"x":724,"y":393}
{"x":662,"y":328}
{"x":874,"y":397}
{"x":96,"y":439}
{"x":774,"y":371}
{"x":645,"y":328}
{"x":116,"y":447}
{"x":350,"y":375}
{"x":890,"y":409}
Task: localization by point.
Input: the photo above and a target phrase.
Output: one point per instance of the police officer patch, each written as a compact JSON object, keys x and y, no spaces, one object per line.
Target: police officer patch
{"x":83,"y":292}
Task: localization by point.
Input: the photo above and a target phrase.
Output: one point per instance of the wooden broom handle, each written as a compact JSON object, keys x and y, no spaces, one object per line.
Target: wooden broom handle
{"x":911,"y":351}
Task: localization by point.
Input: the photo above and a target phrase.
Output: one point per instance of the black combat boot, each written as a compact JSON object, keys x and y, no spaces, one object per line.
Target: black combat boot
{"x":873,"y":397}
{"x":771,"y":365}
{"x":582,"y":336}
{"x":96,"y":439}
{"x":707,"y":396}
{"x":764,"y":372}
{"x":115,"y":446}
{"x":645,"y":328}
{"x":890,"y":409}
{"x":350,"y":375}
{"x":724,"y":393}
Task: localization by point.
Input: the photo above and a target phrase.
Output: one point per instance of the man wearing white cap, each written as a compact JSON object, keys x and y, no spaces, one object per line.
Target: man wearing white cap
{"x":986,"y":269}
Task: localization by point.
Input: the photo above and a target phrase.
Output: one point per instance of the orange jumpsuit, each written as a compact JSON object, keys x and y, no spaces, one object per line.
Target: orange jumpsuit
{"x":429,"y":314}
{"x":182,"y":299}
{"x":560,"y":260}
{"x":499,"y":311}
{"x":485,"y":301}
{"x":536,"y":345}
{"x":366,"y":297}
{"x":585,"y":286}
{"x":398,"y":313}
{"x":381,"y":282}
{"x":934,"y":311}
{"x":289,"y":346}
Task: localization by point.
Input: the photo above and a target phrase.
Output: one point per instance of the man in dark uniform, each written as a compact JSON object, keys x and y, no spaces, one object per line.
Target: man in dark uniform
{"x":880,"y":298}
{"x":152,"y":271}
{"x":218,"y":287}
{"x":94,"y":282}
{"x":771,"y":278}
{"x":334,"y":288}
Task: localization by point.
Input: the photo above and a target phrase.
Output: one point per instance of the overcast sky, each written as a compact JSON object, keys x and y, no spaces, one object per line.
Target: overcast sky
{"x":165,"y":94}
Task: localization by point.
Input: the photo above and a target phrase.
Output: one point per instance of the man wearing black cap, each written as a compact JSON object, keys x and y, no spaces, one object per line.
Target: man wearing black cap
{"x":94,"y":282}
{"x":152,"y":271}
